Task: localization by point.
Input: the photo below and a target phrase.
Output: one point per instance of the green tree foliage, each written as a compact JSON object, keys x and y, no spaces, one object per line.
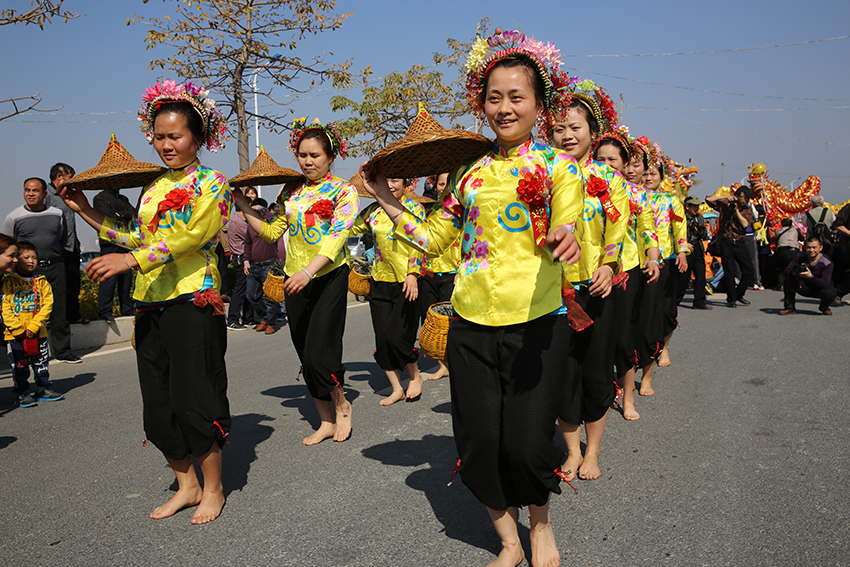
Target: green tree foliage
{"x":222,"y":43}
{"x":385,"y":112}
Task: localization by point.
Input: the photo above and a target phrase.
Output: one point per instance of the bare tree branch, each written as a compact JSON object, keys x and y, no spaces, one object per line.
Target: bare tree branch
{"x":41,"y":13}
{"x":36,"y":99}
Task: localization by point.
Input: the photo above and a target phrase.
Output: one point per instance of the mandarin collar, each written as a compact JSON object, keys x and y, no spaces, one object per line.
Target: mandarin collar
{"x":324,"y":179}
{"x":186,"y":168}
{"x":520,"y":150}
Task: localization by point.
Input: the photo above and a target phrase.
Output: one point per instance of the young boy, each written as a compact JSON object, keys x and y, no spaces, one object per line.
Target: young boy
{"x":27,"y":303}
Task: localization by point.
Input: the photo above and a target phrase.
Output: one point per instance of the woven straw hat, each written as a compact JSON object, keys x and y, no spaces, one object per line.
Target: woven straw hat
{"x":357,"y":181}
{"x":264,"y":171}
{"x":419,"y":198}
{"x":117,"y":169}
{"x":427,"y":148}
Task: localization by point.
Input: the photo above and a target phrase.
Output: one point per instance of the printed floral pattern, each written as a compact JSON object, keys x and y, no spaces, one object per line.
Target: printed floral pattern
{"x":393,"y":260}
{"x":672,"y":233}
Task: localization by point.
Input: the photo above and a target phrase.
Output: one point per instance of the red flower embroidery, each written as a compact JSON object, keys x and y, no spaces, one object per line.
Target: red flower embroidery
{"x":596,"y":186}
{"x":323,"y":208}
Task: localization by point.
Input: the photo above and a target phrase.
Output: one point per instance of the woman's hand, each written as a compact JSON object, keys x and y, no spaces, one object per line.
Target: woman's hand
{"x":410,"y":287}
{"x":600,"y":282}
{"x":682,"y":261}
{"x":239,"y":199}
{"x":296,"y":282}
{"x":564,"y":246}
{"x":103,"y":267}
{"x":651,"y":271}
{"x":375,"y":182}
{"x":74,"y":198}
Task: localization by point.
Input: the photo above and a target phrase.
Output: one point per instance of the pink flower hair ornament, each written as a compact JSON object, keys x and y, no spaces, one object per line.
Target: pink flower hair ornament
{"x":620,"y":134}
{"x":339,"y":146}
{"x":572,"y":89}
{"x":215,"y":125}
{"x":544,"y":58}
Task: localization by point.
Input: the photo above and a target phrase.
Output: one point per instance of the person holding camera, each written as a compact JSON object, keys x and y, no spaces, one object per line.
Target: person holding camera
{"x":697,"y":234}
{"x":736,"y":215}
{"x":810,"y":275}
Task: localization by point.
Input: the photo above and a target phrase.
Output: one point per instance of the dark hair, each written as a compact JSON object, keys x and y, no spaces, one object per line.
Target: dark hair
{"x":785,"y":222}
{"x":588,"y":115}
{"x":260,"y":201}
{"x":23,"y":246}
{"x":745,"y":190}
{"x":814,"y":238}
{"x":617,"y":144}
{"x":60,"y":169}
{"x":193,"y":120}
{"x":533,"y":77}
{"x":659,"y":167}
{"x":39,"y":179}
{"x":320,"y":135}
{"x":6,"y":241}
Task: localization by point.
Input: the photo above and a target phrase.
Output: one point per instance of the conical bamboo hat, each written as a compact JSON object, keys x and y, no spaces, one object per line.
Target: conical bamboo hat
{"x":117,"y":169}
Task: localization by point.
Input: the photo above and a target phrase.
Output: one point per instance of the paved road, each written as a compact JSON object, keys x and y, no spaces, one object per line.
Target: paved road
{"x":740,"y":459}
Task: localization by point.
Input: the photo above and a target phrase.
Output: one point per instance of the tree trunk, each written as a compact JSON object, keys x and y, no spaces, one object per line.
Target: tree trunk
{"x":239,"y":94}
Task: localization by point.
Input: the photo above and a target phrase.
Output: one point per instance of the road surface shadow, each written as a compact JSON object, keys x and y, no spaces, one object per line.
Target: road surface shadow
{"x":7,"y":440}
{"x":297,"y":396}
{"x":463,"y":517}
{"x":63,"y":386}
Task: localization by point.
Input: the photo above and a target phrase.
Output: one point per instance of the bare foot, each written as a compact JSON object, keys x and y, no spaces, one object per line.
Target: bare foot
{"x":342,"y":430}
{"x":629,"y":411}
{"x":396,"y":396}
{"x":544,"y":550}
{"x":442,"y":372}
{"x":664,"y":358}
{"x":510,"y":556}
{"x":183,"y":499}
{"x":414,"y":388}
{"x":209,"y":508}
{"x":589,"y":469}
{"x":571,"y":465}
{"x":646,"y":389}
{"x":325,"y":431}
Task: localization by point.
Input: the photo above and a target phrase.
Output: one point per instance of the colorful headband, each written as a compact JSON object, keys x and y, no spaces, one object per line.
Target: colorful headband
{"x":571,"y":90}
{"x":215,"y":126}
{"x":339,"y":147}
{"x":621,"y":135}
{"x":644,"y":146}
{"x":543,"y":58}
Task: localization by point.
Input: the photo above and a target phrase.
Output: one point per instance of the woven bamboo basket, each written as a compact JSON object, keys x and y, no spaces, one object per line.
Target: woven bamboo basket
{"x":265,"y":171}
{"x":273,"y":287}
{"x":435,"y":330}
{"x":358,"y":282}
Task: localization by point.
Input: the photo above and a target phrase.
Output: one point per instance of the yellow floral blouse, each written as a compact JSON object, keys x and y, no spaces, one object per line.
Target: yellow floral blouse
{"x":311,"y":233}
{"x":640,"y":235}
{"x":446,"y":263}
{"x":393,"y":260}
{"x":504,"y":278}
{"x":670,"y":225}
{"x":601,"y":239}
{"x":173,"y":259}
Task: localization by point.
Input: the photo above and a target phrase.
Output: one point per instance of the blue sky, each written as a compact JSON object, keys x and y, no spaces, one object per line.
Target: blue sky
{"x":95,"y":67}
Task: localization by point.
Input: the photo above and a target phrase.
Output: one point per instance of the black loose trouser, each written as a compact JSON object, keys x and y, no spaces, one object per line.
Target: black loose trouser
{"x":395,"y":321}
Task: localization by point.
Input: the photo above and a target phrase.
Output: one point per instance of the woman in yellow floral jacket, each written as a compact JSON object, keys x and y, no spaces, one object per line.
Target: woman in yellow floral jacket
{"x":181,"y":336}
{"x":514,"y":210}
{"x":318,"y":214}
{"x":392,"y":295}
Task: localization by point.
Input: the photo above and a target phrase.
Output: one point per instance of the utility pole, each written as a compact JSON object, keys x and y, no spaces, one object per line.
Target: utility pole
{"x":622,"y":104}
{"x":722,"y":183}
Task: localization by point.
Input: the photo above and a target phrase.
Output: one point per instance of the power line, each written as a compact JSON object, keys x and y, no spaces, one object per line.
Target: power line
{"x":68,"y":121}
{"x":748,"y":132}
{"x":704,"y":90}
{"x":715,"y":50}
{"x":734,"y":109}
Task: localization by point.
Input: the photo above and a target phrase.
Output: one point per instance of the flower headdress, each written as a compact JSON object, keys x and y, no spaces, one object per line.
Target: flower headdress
{"x":588,"y":93}
{"x":621,"y":134}
{"x":339,"y":147}
{"x":644,"y":147}
{"x":215,"y":126}
{"x":543,"y":57}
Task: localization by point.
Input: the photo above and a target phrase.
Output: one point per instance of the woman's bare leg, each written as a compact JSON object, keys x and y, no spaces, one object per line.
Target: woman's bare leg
{"x":589,"y":468}
{"x":212,"y":500}
{"x":414,"y":387}
{"x":342,"y":429}
{"x":572,"y":438}
{"x":646,"y":381}
{"x":544,"y":550}
{"x":664,"y":357}
{"x":189,"y":491}
{"x":511,"y":554}
{"x":327,"y":427}
{"x":629,"y":411}
{"x":394,"y":376}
